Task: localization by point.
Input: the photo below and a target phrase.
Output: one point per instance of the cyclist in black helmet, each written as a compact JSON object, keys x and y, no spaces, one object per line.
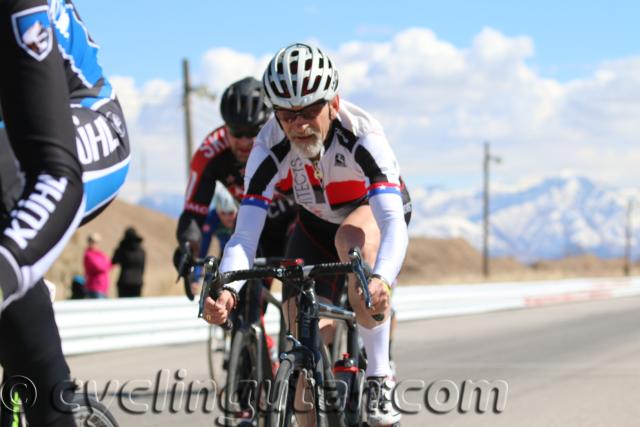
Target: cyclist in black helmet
{"x":222,"y":157}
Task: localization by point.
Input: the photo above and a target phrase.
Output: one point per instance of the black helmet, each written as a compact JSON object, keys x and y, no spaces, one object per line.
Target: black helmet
{"x":242,"y":107}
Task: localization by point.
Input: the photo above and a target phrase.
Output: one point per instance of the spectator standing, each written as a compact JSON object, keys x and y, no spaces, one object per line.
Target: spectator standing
{"x":78,"y":291}
{"x":96,"y":268}
{"x":130,"y":255}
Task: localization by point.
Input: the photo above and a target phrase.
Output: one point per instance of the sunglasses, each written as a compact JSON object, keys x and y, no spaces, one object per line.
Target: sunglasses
{"x":307,"y":113}
{"x":243,"y":132}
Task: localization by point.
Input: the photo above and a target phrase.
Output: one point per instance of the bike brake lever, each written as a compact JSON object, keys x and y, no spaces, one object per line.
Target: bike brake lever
{"x":182,"y":267}
{"x":211,"y":287}
{"x":358,"y":269}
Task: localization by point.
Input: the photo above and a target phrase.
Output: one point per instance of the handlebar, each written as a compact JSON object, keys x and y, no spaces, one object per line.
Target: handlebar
{"x":298,"y":272}
{"x":271,"y":268}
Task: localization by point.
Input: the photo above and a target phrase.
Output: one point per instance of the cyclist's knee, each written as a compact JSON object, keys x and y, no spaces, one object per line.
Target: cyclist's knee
{"x":347,"y":236}
{"x":327,"y":330}
{"x":366,"y":238}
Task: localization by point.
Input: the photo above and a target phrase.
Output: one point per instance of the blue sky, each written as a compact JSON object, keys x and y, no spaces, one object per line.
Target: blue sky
{"x":553,"y":84}
{"x":146,"y":41}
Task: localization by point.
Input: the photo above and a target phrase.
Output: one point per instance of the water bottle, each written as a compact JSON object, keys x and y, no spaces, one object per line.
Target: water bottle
{"x":348,"y":376}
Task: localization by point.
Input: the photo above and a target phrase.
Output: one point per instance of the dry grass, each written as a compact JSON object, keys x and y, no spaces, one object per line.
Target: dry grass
{"x":428,"y":260}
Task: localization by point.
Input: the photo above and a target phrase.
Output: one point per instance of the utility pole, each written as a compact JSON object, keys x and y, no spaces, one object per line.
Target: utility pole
{"x":487,"y":159}
{"x":143,"y":174}
{"x":627,"y":242}
{"x":187,"y":89}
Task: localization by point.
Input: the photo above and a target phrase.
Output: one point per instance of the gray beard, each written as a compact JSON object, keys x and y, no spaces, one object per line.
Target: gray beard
{"x":309,"y":150}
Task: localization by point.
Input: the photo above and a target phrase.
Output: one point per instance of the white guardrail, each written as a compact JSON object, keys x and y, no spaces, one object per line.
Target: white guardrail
{"x":88,"y":326}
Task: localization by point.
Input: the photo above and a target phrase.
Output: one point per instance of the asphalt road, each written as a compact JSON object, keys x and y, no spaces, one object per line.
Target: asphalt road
{"x":565,"y":365}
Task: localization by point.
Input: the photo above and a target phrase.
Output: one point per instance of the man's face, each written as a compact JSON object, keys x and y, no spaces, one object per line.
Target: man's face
{"x":241,"y":142}
{"x":307,"y":127}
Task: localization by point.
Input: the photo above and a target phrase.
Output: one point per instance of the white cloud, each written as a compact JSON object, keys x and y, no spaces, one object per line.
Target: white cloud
{"x":438,"y":103}
{"x":223,"y":66}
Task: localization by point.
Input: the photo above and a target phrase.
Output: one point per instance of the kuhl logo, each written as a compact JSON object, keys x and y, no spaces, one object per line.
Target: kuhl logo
{"x":32,"y":30}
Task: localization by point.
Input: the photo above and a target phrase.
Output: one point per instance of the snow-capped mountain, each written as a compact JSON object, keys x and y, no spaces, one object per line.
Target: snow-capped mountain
{"x":549,"y":218}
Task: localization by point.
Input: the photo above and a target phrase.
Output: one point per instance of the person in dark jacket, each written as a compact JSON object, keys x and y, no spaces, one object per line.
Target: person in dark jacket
{"x":78,"y":290}
{"x":131,"y":256}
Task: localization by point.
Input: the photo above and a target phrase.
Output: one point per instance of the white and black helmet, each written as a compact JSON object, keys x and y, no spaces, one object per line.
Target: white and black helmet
{"x":288,"y":84}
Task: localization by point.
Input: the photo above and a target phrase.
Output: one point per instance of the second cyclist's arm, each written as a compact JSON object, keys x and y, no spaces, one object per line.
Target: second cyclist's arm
{"x":200,"y":189}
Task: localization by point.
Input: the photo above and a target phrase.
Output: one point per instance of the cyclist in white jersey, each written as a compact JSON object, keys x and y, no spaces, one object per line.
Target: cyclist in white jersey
{"x":336,"y":162}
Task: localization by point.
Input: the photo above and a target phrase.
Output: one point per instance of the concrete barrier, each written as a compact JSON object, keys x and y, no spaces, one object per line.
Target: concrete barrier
{"x":88,"y":326}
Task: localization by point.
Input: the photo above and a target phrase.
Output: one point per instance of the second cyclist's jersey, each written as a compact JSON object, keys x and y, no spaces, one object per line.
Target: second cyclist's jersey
{"x":213,"y":162}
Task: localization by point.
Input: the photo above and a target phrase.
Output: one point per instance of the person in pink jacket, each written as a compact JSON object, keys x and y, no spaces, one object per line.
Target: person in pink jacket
{"x":96,"y":268}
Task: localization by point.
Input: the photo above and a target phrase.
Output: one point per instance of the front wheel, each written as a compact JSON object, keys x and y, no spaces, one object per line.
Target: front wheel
{"x":217,"y":351}
{"x":310,"y":407}
{"x":283,"y":390}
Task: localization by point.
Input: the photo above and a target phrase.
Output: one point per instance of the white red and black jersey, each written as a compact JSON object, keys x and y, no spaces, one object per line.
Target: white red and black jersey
{"x":357,"y":162}
{"x":356,"y":166}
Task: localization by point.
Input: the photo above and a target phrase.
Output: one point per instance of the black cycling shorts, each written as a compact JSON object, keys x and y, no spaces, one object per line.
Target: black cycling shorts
{"x":280,"y":216}
{"x":31,"y":349}
{"x":313,"y":240}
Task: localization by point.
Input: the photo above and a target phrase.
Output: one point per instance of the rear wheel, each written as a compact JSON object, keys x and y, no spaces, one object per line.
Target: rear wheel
{"x":90,"y":412}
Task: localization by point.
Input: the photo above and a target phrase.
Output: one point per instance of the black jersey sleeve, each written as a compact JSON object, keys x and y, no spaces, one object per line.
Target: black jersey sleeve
{"x":213,"y":161}
{"x":205,"y":164}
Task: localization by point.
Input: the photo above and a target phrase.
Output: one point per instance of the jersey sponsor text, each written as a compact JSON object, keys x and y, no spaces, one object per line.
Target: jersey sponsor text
{"x":95,"y":141}
{"x":33,"y":213}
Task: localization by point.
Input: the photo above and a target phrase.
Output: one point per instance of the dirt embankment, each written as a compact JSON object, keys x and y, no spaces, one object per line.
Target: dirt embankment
{"x":428,"y":260}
